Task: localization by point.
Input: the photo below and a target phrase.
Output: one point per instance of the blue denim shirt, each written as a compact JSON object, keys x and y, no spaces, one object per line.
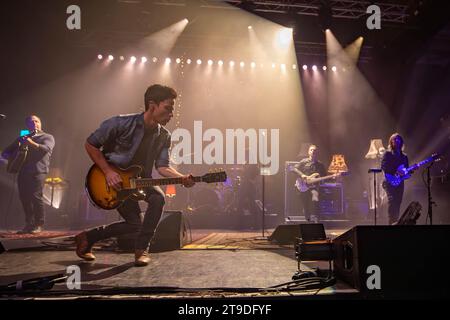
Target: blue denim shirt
{"x":119,"y":138}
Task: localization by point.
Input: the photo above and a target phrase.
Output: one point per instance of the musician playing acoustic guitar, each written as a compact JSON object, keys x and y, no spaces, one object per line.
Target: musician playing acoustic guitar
{"x":36,"y":149}
{"x":306,"y":168}
{"x":137,"y":139}
{"x":392,"y":159}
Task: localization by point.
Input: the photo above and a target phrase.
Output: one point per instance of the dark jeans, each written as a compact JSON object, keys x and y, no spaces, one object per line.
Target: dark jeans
{"x":395,"y":197}
{"x":30,"y":193}
{"x":307,"y":205}
{"x":143,"y":227}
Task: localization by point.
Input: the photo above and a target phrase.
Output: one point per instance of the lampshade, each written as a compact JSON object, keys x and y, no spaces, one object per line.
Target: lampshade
{"x":337,"y":164}
{"x":171,"y":191}
{"x":376,"y":149}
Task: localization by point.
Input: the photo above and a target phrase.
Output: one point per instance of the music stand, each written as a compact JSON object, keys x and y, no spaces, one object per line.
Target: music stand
{"x":375,"y":171}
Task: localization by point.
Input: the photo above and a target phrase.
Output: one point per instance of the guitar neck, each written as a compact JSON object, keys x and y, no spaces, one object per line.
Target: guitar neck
{"x":149,"y":182}
{"x":419,"y":164}
{"x":323,"y":178}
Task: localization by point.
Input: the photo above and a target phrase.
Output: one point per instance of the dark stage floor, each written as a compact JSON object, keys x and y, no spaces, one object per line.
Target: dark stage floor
{"x":217,"y":263}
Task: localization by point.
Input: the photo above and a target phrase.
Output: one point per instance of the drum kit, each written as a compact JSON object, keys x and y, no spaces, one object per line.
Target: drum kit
{"x":220,"y":198}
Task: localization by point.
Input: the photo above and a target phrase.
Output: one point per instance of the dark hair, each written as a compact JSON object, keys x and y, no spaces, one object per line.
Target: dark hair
{"x":28,"y":118}
{"x":158,"y":93}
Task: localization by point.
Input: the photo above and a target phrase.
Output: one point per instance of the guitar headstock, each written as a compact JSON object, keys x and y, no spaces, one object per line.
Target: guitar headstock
{"x":435,"y":157}
{"x":218,"y":176}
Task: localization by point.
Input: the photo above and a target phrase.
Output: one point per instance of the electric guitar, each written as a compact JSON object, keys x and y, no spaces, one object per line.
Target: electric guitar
{"x":304,"y":184}
{"x":405,"y":173}
{"x":16,"y":161}
{"x":133,"y":186}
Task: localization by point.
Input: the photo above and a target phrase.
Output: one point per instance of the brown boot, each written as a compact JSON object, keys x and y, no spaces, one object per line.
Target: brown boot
{"x":84,"y":248}
{"x":141,"y":258}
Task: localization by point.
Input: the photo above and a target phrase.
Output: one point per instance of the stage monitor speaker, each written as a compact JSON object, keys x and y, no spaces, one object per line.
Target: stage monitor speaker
{"x":19,"y":244}
{"x":395,"y":261}
{"x":285,"y":234}
{"x":171,"y":234}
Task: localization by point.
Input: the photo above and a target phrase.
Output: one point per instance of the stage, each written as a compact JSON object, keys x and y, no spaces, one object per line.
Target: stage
{"x":216,"y":264}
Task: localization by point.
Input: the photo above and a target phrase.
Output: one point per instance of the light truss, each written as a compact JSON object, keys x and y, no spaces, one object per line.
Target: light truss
{"x":345,"y":9}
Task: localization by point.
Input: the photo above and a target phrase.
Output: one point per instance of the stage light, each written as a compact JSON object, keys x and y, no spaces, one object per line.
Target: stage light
{"x":242,"y":64}
{"x":188,"y":61}
{"x":110,"y":57}
{"x":99,"y":57}
{"x":133,"y":59}
{"x":324,"y":68}
{"x":122,"y":58}
{"x":186,"y":20}
{"x":220,"y":63}
{"x":294,"y":66}
{"x":250,"y":27}
{"x":199,"y":61}
{"x":231,"y":63}
{"x":284,"y":36}
{"x":253,"y":65}
{"x":178,"y":60}
{"x":314,"y":67}
{"x":334,"y":68}
{"x":273,"y":65}
{"x":210,"y":62}
{"x":168,"y":60}
{"x":305,"y":67}
{"x":143,"y":59}
{"x":155,"y":59}
{"x":283,"y":66}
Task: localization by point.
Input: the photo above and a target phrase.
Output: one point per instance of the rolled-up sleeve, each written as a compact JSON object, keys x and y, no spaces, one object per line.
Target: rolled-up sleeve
{"x":104,"y":133}
{"x":163,"y":159}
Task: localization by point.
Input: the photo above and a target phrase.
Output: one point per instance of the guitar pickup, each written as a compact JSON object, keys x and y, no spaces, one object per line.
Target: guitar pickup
{"x":132,"y":183}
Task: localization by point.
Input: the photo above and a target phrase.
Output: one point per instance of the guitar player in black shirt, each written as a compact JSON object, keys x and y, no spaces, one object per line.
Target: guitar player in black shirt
{"x":393,"y":158}
{"x":309,"y":199}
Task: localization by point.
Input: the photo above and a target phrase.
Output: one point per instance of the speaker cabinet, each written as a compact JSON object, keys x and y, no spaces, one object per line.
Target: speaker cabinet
{"x":285,"y":234}
{"x":403,"y":261}
{"x":170,"y":234}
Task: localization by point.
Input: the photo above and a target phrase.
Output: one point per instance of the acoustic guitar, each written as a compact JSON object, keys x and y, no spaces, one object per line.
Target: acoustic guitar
{"x":16,"y":161}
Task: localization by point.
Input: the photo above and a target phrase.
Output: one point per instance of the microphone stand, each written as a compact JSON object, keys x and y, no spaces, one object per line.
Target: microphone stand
{"x":430,"y":199}
{"x":375,"y":171}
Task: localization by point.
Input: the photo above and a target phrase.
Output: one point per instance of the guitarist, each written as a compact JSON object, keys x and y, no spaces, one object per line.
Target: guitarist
{"x":31,"y":175}
{"x":309,"y":200}
{"x":136,"y":139}
{"x":392,"y":159}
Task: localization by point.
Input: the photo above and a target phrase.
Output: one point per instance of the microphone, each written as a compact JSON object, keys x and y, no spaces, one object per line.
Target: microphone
{"x":2,"y":116}
{"x":376,"y":170}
